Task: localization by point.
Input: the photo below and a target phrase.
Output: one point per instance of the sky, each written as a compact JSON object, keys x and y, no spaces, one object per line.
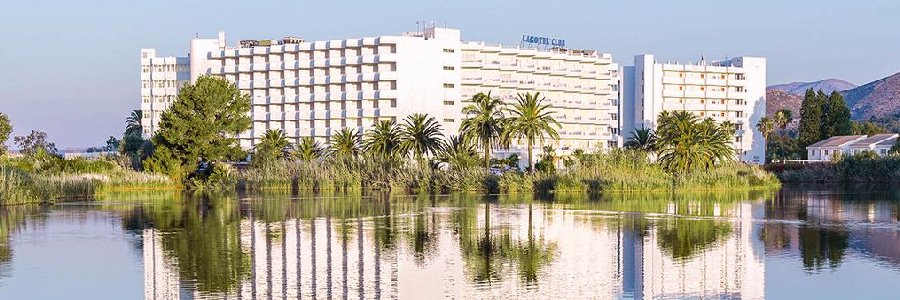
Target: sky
{"x":72,"y":68}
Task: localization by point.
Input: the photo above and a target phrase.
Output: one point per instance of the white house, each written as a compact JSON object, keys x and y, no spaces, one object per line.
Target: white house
{"x":832,"y":147}
{"x":879,"y":143}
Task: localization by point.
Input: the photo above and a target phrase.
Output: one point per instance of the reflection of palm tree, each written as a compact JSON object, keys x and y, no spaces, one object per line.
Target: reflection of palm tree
{"x":534,"y":254}
{"x":819,"y":246}
{"x":683,"y":238}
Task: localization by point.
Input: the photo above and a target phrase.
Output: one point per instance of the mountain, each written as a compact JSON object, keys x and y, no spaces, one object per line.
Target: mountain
{"x":777,"y":100}
{"x":827,"y":85}
{"x":879,"y":98}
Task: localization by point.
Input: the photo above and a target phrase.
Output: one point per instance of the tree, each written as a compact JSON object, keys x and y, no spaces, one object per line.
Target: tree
{"x":133,"y":123}
{"x":345,"y":143}
{"x":459,"y":153}
{"x":782,"y":118}
{"x":866,"y":128}
{"x":836,"y":116}
{"x":308,"y":149}
{"x":383,"y":139}
{"x":35,"y":142}
{"x":203,"y":122}
{"x":688,"y":144}
{"x":810,"y":119}
{"x":483,"y":123}
{"x":421,"y":135}
{"x":642,"y":139}
{"x":5,"y":130}
{"x":765,"y":126}
{"x":273,"y":145}
{"x":548,"y":160}
{"x":112,"y":144}
{"x":530,"y":120}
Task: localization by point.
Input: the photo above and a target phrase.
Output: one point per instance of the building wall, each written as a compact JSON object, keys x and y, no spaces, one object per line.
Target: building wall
{"x":731,"y":90}
{"x":316,"y":88}
{"x":160,"y":79}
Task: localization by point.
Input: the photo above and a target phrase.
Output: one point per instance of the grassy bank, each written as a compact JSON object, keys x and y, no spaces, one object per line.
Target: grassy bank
{"x":854,"y":169}
{"x":614,"y":171}
{"x":30,"y":180}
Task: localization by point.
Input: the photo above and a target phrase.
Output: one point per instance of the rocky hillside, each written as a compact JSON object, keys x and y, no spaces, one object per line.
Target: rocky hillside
{"x":827,"y":85}
{"x":777,"y":100}
{"x":879,"y":98}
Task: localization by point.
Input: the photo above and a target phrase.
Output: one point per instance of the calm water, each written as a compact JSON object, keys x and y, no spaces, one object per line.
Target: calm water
{"x":800,"y":242}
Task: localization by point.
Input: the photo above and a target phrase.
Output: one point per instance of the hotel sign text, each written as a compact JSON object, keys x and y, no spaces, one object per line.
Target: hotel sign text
{"x":540,"y":40}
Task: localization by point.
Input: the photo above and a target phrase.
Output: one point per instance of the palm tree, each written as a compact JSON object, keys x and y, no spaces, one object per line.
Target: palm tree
{"x":308,"y":149}
{"x":782,"y":118}
{"x":383,"y":139}
{"x":686,"y":143}
{"x":345,"y":143}
{"x":274,"y":142}
{"x":531,"y":120}
{"x":642,"y":139}
{"x":133,"y":123}
{"x":421,"y":135}
{"x":766,"y":127}
{"x":484,"y":123}
{"x":459,"y":153}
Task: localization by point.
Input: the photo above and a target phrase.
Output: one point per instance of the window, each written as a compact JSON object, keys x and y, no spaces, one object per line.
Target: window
{"x":738,"y":139}
{"x":702,"y":75}
{"x":448,"y":102}
{"x":449,"y":85}
{"x":739,"y":114}
{"x":883,"y":151}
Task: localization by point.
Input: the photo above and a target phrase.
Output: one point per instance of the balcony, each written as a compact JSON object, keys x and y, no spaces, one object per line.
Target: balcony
{"x":673,"y":80}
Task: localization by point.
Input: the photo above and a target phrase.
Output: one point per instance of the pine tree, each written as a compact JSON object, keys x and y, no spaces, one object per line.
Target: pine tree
{"x":810,"y":119}
{"x":201,"y":124}
{"x":836,"y":117}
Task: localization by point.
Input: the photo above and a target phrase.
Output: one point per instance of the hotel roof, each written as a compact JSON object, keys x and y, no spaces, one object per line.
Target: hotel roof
{"x":877,"y":139}
{"x":837,"y":141}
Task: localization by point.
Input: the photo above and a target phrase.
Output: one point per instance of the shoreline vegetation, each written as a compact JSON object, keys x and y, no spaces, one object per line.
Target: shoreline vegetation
{"x":411,"y":155}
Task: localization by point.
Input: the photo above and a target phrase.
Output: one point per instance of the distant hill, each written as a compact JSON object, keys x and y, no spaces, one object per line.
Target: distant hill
{"x":777,"y":100}
{"x":879,"y":98}
{"x":827,"y":85}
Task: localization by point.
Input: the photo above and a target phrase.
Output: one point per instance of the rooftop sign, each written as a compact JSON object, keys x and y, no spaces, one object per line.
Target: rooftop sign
{"x":543,"y":41}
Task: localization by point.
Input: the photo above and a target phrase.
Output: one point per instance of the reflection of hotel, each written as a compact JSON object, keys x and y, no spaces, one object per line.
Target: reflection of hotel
{"x":339,"y":259}
{"x":731,"y":268}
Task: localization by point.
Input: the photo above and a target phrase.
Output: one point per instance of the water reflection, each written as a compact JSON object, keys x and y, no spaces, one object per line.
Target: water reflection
{"x":630,"y":245}
{"x":374,"y":246}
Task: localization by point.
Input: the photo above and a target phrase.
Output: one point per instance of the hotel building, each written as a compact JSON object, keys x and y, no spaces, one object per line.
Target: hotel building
{"x":161,"y":77}
{"x":316,"y":88}
{"x":732,"y":90}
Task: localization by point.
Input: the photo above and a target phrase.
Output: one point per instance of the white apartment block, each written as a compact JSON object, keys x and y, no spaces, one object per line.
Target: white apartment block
{"x":160,"y":79}
{"x":732,"y":90}
{"x":316,"y":88}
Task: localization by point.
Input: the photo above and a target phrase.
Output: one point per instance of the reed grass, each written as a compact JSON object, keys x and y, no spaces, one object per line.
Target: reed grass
{"x":614,"y":171}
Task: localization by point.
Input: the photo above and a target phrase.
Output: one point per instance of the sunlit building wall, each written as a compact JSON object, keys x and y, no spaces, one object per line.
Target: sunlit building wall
{"x":732,"y":90}
{"x":316,"y":88}
{"x":161,"y":77}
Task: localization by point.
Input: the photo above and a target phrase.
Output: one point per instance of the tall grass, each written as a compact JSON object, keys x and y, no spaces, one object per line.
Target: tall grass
{"x":31,"y":180}
{"x":853,"y":169}
{"x":619,"y":170}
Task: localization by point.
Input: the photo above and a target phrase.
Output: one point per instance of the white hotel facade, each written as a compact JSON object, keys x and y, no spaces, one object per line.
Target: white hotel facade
{"x":316,"y":88}
{"x":732,"y":90}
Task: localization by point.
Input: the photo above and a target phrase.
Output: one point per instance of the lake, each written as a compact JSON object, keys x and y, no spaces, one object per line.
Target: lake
{"x":798,"y":242}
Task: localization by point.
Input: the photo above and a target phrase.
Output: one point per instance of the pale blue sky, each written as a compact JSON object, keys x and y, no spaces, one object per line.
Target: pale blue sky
{"x":70,"y":68}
